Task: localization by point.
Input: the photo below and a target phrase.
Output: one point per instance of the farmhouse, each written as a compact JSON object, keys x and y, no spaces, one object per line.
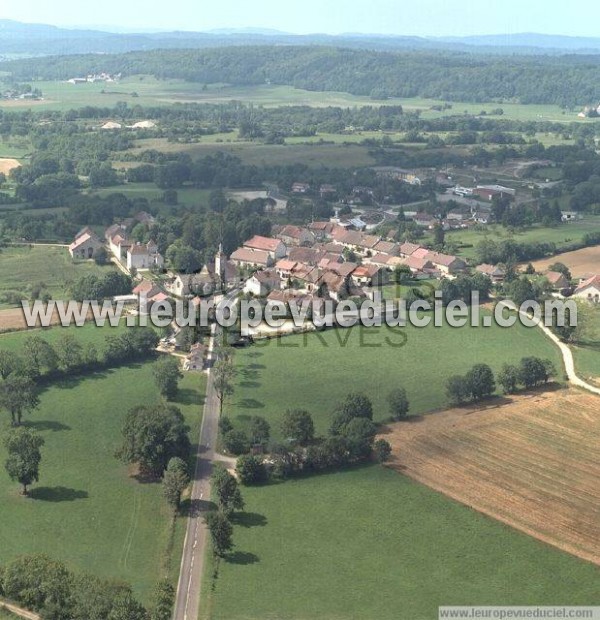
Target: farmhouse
{"x":408,"y":249}
{"x":446,"y":263}
{"x":369,"y":275}
{"x":300,"y":188}
{"x":245,"y":257}
{"x":589,"y":290}
{"x":144,"y":256}
{"x":184,"y":285}
{"x":275,"y":248}
{"x":494,"y":272}
{"x":85,"y":245}
{"x":262,"y":283}
{"x":296,"y":235}
{"x":557,"y":280}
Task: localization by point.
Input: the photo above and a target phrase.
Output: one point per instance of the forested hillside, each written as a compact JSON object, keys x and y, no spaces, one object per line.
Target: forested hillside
{"x":564,"y":80}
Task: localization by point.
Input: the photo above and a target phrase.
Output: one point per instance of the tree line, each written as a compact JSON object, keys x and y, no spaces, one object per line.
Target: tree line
{"x":451,"y":76}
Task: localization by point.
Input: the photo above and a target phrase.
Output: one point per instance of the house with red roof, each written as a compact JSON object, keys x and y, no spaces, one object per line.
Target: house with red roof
{"x":589,"y":290}
{"x":85,"y":245}
{"x":276,"y":248}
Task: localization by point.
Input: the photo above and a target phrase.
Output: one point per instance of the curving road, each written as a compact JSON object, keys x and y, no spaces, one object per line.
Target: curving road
{"x":567,"y":354}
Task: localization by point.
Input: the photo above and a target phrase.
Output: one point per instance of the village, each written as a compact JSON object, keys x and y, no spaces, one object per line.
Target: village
{"x":335,"y":259}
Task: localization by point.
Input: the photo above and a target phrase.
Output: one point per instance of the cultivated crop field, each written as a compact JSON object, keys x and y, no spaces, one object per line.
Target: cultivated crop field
{"x":580,"y":262}
{"x":530,"y":461}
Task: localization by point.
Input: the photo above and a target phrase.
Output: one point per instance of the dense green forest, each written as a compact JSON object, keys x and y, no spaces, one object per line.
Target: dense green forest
{"x":567,"y":80}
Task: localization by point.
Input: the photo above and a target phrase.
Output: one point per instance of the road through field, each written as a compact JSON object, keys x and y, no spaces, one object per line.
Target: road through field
{"x":187,"y":601}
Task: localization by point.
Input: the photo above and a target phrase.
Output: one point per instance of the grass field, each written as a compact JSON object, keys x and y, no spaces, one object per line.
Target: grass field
{"x":370,"y":544}
{"x":89,"y":333}
{"x":149,"y":91}
{"x":521,"y":461}
{"x":26,"y":265}
{"x":316,"y":371}
{"x":587,"y":353}
{"x":334,"y":155}
{"x":560,"y":235}
{"x":86,"y":510}
{"x":187,"y":196}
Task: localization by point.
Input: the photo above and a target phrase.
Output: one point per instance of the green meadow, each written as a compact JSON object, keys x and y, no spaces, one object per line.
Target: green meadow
{"x":87,"y":510}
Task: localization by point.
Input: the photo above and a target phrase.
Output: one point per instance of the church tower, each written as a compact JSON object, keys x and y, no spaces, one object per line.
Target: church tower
{"x":220,"y":266}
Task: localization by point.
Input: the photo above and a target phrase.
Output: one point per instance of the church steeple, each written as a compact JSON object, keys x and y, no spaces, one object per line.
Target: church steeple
{"x":220,"y":264}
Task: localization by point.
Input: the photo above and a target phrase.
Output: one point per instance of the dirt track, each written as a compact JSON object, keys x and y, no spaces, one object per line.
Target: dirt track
{"x":530,"y":462}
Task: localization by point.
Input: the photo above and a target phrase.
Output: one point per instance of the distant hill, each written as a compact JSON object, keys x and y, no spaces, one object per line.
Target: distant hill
{"x":41,"y":39}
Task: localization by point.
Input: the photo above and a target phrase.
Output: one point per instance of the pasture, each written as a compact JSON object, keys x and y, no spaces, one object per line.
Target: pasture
{"x":561,"y":234}
{"x":527,"y":460}
{"x":316,"y":371}
{"x":22,"y":266}
{"x":369,"y":543}
{"x":340,"y":153}
{"x":87,"y":510}
{"x":147,"y":90}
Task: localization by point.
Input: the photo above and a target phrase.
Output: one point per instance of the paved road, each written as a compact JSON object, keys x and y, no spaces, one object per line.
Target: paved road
{"x":187,"y":601}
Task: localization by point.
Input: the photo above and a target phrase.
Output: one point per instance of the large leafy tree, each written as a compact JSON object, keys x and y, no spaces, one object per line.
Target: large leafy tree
{"x":152,"y":435}
{"x":17,"y":395}
{"x":24,"y":456}
{"x":221,"y":532}
{"x":226,"y":490}
{"x":297,"y":426}
{"x":175,"y":480}
{"x":355,"y":405}
{"x":167,"y":373}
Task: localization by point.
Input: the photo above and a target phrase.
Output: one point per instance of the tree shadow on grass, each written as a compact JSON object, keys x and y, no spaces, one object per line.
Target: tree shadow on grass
{"x":248,"y":519}
{"x":250,"y":403}
{"x":70,"y":383}
{"x":241,"y":557}
{"x":250,"y":384}
{"x":47,"y":425}
{"x":57,"y":494}
{"x":187,"y":396}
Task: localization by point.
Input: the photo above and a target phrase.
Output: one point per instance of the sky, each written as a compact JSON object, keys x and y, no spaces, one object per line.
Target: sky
{"x":400,"y":17}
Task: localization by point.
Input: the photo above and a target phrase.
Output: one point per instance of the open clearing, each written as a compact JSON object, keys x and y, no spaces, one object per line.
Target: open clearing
{"x":580,"y":262}
{"x":530,"y":461}
{"x":6,"y":165}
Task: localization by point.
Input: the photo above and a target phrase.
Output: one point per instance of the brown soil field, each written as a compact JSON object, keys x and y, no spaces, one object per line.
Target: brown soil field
{"x":530,"y":461}
{"x":6,"y":165}
{"x":580,"y":262}
{"x":12,"y":319}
